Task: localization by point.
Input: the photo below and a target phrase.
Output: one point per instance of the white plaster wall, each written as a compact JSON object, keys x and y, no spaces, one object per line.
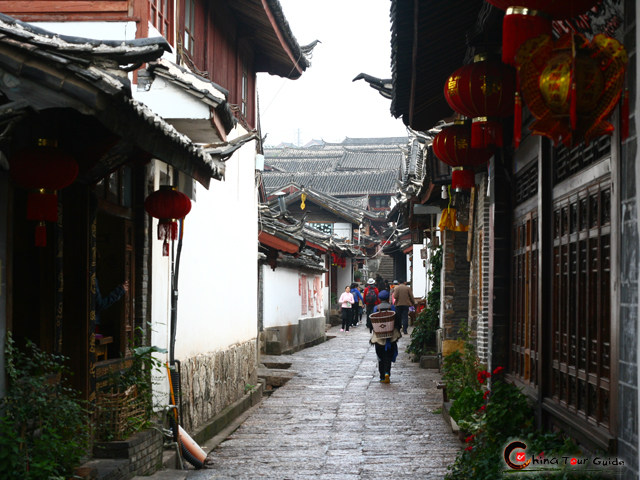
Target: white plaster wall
{"x":97,"y":30}
{"x":345,"y":276}
{"x":170,"y":101}
{"x":218,"y":278}
{"x":343,"y":230}
{"x":160,"y":299}
{"x":419,"y":284}
{"x":218,"y":304}
{"x":281,"y":300}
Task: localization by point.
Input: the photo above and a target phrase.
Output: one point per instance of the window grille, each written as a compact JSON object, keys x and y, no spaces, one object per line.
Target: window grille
{"x":527,"y":183}
{"x":524,"y":304}
{"x":568,"y":162}
{"x":161,"y":17}
{"x":581,"y":322}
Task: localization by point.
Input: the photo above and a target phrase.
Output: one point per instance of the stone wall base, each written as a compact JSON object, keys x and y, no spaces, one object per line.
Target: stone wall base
{"x":288,"y":339}
{"x":212,"y":381}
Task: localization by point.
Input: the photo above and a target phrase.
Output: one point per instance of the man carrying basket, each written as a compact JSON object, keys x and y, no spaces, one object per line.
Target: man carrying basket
{"x":386,"y":334}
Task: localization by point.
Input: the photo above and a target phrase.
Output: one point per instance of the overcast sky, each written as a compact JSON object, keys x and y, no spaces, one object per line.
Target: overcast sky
{"x":324,"y":102}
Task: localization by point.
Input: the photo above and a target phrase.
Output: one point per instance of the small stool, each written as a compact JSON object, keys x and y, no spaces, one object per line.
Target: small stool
{"x":101,"y":347}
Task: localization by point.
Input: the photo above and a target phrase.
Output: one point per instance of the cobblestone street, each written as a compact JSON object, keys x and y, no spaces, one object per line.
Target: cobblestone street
{"x":334,"y":420}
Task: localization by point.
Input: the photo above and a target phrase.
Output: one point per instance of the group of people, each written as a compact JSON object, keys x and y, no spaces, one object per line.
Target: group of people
{"x":379,"y":296}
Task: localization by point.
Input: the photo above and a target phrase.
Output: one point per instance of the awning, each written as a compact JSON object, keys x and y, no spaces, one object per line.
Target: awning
{"x":276,"y":241}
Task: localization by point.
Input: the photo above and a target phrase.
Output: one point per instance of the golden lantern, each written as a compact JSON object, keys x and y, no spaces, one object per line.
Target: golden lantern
{"x":571,"y":86}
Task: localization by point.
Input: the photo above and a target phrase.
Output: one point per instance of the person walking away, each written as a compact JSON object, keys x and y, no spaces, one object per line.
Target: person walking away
{"x":404,"y":299}
{"x":370,"y":300}
{"x":357,"y":298}
{"x":346,"y":301}
{"x":386,"y":348}
{"x":393,"y":286}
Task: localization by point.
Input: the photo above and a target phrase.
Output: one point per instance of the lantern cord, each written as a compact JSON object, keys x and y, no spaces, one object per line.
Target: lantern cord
{"x":449,"y":193}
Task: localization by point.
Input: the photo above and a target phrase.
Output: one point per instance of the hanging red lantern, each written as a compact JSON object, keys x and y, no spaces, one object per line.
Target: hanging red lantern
{"x":168,"y":205}
{"x":527,"y":19}
{"x":571,"y":86}
{"x":453,"y":146}
{"x":44,"y":169}
{"x":483,"y":91}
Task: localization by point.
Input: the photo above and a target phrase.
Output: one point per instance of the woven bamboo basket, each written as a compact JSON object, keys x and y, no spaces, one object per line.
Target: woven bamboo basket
{"x":120,"y":414}
{"x":383,"y":323}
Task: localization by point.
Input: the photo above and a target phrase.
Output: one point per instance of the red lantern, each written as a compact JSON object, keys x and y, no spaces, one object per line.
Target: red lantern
{"x":44,"y":169}
{"x":483,"y":91}
{"x":527,"y":19}
{"x":168,"y":205}
{"x":453,"y":146}
{"x":572,"y":86}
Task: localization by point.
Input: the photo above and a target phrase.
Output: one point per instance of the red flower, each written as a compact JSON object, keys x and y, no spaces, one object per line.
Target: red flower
{"x":498,"y":370}
{"x":483,"y":408}
{"x":469,"y":448}
{"x":483,"y":375}
{"x":470,"y":438}
{"x":486,"y":394}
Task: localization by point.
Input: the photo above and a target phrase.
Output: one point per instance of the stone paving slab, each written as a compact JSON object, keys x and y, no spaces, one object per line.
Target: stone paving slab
{"x":335,"y":421}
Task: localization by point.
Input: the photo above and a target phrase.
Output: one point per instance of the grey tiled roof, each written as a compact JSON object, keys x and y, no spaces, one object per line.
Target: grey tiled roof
{"x":337,"y":183}
{"x":317,"y":152}
{"x":375,"y":141}
{"x":302,"y":165}
{"x":371,"y":159}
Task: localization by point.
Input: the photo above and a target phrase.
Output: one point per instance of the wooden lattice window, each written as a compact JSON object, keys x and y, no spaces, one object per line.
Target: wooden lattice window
{"x":524,"y":305}
{"x":581,"y":322}
{"x":568,"y":162}
{"x":189,"y":25}
{"x":161,"y":17}
{"x":245,"y":87}
{"x":527,"y":183}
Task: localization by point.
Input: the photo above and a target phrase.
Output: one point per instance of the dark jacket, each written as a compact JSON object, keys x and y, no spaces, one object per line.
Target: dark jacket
{"x":102,"y":303}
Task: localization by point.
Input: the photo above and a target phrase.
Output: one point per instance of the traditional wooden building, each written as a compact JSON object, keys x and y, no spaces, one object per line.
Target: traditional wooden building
{"x":561,"y":314}
{"x":138,"y":113}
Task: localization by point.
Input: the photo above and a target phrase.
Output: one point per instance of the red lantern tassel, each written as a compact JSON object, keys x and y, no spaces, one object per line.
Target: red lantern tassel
{"x":518,"y":26}
{"x":624,"y":116}
{"x":517,"y":121}
{"x":41,"y":235}
{"x":42,"y":207}
{"x":486,"y":133}
{"x":167,"y":230}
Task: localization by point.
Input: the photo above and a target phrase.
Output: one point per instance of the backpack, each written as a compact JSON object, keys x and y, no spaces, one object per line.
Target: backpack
{"x":371,"y":297}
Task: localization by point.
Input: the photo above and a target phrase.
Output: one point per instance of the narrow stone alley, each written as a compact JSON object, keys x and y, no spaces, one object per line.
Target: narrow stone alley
{"x":334,"y":420}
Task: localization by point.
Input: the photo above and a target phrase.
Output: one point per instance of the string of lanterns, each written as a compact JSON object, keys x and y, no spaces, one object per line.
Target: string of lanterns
{"x":43,"y":169}
{"x":571,"y":86}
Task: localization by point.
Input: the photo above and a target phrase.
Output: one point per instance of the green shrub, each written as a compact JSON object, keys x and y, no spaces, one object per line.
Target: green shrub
{"x":460,"y":369}
{"x":43,"y":426}
{"x":506,"y":416}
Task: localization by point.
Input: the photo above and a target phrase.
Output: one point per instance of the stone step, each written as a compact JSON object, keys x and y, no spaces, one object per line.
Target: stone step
{"x":275,"y":377}
{"x":274,"y":361}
